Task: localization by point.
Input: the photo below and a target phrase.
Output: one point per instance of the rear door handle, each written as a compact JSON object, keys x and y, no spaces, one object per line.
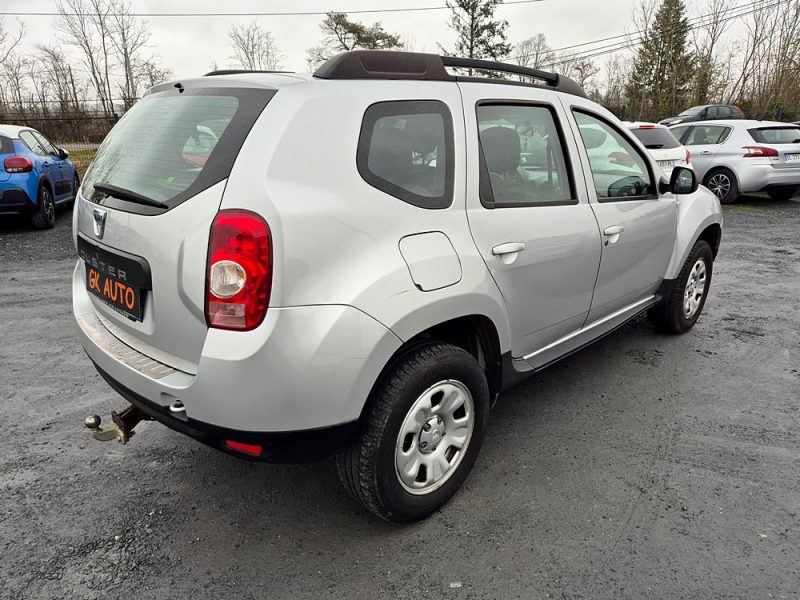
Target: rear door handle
{"x":612,"y":234}
{"x":705,"y":152}
{"x":508,"y":248}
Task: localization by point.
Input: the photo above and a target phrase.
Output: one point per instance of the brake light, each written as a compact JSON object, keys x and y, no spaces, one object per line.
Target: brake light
{"x":251,"y":449}
{"x":18,"y":164}
{"x":647,"y":126}
{"x":759,"y":151}
{"x":239,"y":271}
{"x":688,"y":156}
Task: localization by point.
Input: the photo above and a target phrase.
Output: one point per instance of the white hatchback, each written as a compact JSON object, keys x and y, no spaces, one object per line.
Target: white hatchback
{"x":662,"y":145}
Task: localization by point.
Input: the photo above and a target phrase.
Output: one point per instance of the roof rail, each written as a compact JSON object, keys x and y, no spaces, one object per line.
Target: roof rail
{"x":382,"y":64}
{"x":240,"y":71}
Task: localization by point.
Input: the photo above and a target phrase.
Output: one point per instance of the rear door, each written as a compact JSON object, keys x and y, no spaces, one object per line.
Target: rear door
{"x":637,"y":225}
{"x":529,"y":212}
{"x":62,"y":182}
{"x":49,"y":166}
{"x":145,"y":211}
{"x":704,"y":142}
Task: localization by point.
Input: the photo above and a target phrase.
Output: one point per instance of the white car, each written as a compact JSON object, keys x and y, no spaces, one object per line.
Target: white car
{"x":662,"y":145}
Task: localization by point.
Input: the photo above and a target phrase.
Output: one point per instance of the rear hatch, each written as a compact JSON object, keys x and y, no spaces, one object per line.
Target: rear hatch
{"x":146,"y":209}
{"x":662,"y":145}
{"x":783,"y":140}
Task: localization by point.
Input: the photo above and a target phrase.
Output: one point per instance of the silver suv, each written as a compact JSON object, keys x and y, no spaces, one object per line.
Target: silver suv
{"x":358,"y":262}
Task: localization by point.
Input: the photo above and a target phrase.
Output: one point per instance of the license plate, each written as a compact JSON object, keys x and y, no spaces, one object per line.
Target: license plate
{"x":791,"y":157}
{"x":120,"y":281}
{"x":665,"y":164}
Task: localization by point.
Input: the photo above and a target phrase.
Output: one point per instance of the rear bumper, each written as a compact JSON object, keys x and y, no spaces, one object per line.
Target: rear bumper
{"x":765,"y":178}
{"x":278,"y":447}
{"x":15,"y":201}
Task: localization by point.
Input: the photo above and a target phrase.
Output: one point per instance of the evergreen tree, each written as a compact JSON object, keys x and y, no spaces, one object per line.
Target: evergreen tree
{"x":661,"y":80}
{"x":480,"y":35}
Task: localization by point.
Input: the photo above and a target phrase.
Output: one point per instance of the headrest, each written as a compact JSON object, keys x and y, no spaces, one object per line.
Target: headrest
{"x":501,"y":149}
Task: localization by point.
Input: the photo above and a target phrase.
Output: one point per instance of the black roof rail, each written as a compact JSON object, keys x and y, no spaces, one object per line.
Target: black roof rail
{"x":383,"y":64}
{"x":240,"y":71}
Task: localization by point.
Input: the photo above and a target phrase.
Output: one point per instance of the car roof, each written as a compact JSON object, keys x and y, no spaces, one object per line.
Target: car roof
{"x":12,"y":131}
{"x":736,"y":122}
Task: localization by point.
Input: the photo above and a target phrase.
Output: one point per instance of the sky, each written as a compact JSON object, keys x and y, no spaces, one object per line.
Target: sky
{"x":189,"y":46}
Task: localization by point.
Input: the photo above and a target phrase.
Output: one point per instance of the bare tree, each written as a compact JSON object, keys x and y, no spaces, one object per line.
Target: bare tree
{"x":534,"y":52}
{"x":254,"y":48}
{"x":8,"y":42}
{"x":128,"y":36}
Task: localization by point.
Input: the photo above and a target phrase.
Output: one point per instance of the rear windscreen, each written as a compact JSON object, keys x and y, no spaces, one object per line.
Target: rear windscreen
{"x":776,"y":135}
{"x":172,"y":145}
{"x":6,"y":145}
{"x":656,"y":138}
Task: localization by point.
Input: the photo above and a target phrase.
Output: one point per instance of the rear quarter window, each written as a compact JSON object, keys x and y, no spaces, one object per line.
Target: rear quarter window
{"x":405,"y":149}
{"x":171,"y":145}
{"x":656,"y":138}
{"x":776,"y":135}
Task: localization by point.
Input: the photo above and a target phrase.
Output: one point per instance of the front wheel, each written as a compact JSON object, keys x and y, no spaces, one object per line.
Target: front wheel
{"x":681,"y":307}
{"x":420,"y":434}
{"x":723,"y":184}
{"x":44,"y":213}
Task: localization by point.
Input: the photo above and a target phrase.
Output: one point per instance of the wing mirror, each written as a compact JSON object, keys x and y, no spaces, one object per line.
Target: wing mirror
{"x":63,"y":154}
{"x":682,"y":181}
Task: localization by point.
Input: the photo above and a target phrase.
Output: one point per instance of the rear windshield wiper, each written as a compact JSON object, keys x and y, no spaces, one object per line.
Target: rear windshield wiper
{"x":654,"y":146}
{"x":129,"y":195}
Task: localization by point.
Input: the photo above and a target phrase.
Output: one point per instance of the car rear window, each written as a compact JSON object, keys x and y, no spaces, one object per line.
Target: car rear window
{"x":776,"y":135}
{"x":656,"y":138}
{"x":174,"y":144}
{"x":6,"y":145}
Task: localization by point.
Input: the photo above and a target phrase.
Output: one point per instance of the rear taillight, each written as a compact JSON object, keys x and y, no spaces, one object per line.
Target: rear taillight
{"x":239,"y":271}
{"x":759,"y":151}
{"x":688,"y":157}
{"x":18,"y":164}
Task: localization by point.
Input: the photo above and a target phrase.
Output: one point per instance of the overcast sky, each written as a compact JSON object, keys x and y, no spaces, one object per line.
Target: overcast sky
{"x":190,"y":45}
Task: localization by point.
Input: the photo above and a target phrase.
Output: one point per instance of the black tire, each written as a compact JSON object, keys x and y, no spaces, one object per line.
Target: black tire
{"x":723,"y":184}
{"x":44,"y":213}
{"x":366,"y":464}
{"x":670,"y":316}
{"x":76,"y":183}
{"x":783,"y":195}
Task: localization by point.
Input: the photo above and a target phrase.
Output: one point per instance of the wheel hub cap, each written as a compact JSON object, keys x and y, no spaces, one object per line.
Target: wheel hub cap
{"x":695,"y":288}
{"x":434,"y":437}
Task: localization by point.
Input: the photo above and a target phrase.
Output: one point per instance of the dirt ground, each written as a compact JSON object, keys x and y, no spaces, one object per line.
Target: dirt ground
{"x":643,"y":466}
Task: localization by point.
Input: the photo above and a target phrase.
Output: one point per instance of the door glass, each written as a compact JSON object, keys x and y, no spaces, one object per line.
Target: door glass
{"x":679,"y":132}
{"x":45,"y":143}
{"x":523,"y":155}
{"x":706,"y":134}
{"x":618,"y":170}
{"x":32,"y":143}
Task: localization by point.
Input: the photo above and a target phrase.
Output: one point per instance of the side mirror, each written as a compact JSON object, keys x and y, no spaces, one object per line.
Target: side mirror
{"x":63,"y":154}
{"x":683,"y":181}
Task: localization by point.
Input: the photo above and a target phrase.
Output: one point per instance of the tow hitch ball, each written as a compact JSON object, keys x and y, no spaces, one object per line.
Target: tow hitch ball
{"x":120,"y":428}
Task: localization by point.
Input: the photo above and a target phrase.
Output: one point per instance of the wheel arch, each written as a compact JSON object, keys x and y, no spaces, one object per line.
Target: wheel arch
{"x":699,"y":217}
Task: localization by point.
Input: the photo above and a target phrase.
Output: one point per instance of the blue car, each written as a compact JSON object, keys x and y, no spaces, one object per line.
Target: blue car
{"x":35,"y":176}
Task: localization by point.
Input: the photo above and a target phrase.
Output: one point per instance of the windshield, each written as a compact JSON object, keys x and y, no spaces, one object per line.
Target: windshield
{"x":656,"y":138}
{"x":776,"y":135}
{"x":171,"y":145}
{"x":691,"y":112}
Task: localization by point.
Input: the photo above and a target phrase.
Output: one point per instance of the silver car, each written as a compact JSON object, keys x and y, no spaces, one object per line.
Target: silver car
{"x":744,"y":157}
{"x":359,"y":262}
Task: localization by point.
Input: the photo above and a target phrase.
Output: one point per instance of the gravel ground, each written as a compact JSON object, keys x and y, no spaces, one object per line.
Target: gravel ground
{"x":645,"y":465}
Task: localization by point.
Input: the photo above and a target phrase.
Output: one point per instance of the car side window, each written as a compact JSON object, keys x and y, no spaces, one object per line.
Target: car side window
{"x":712,"y":112}
{"x":523,"y":159}
{"x":680,"y":131}
{"x":619,"y":171}
{"x":32,"y":143}
{"x":724,"y":112}
{"x":707,"y":134}
{"x":406,"y":150}
{"x":45,"y":144}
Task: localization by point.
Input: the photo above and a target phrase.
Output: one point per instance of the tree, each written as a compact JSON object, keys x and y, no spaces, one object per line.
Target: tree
{"x":8,"y":43}
{"x":480,"y":35}
{"x":534,"y":52}
{"x":662,"y":73}
{"x":128,"y":37}
{"x":342,"y":34}
{"x":254,"y":48}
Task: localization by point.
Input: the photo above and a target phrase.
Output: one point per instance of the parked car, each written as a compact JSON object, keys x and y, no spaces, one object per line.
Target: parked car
{"x":36,"y":176}
{"x":705,"y":112}
{"x":662,"y":145}
{"x":371,"y":298}
{"x":743,"y":157}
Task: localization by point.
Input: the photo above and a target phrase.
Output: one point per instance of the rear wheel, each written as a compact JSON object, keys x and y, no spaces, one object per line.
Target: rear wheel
{"x":722,"y":182}
{"x":679,"y":310}
{"x":419,"y":436}
{"x":44,"y":214}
